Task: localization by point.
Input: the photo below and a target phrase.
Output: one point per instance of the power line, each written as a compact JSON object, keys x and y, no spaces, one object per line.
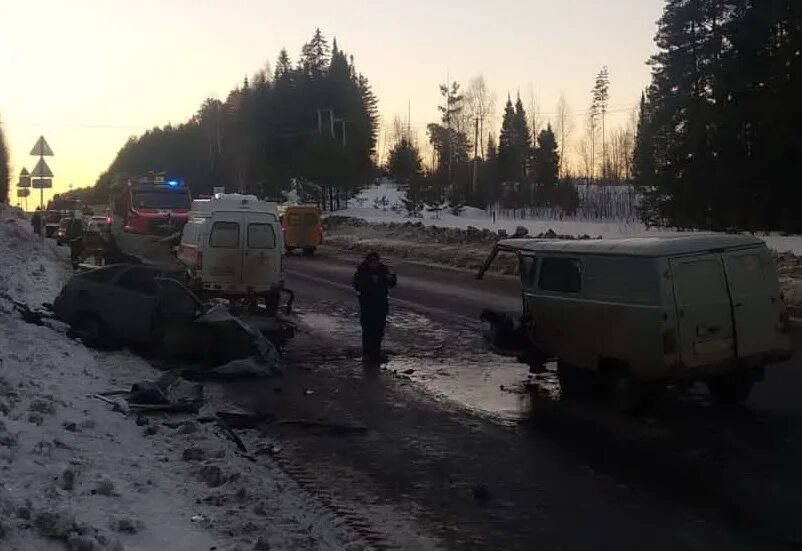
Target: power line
{"x":74,"y":125}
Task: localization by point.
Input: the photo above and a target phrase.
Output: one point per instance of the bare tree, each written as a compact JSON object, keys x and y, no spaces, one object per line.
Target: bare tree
{"x":533,"y":106}
{"x":399,"y":131}
{"x":564,"y":127}
{"x":481,"y":102}
{"x":585,"y":151}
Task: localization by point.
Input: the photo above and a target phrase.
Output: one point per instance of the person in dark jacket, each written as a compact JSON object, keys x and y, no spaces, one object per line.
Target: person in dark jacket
{"x":36,"y":221}
{"x":75,"y":237}
{"x":372,"y":281}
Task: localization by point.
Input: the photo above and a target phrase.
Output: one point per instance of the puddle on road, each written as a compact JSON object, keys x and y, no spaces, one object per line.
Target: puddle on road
{"x":331,"y":325}
{"x":450,"y":363}
{"x":494,"y":386}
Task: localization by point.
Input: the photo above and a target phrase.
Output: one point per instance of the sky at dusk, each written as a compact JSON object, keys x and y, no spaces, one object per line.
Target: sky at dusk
{"x":87,"y":74}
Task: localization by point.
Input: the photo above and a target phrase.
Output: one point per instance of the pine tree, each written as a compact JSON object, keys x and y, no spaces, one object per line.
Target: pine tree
{"x":547,"y":161}
{"x":644,"y":169}
{"x":601,"y":100}
{"x":522,"y":140}
{"x":406,"y":168}
{"x":450,"y":111}
{"x":508,"y":159}
{"x":4,"y":174}
{"x":283,"y":65}
{"x":315,"y":55}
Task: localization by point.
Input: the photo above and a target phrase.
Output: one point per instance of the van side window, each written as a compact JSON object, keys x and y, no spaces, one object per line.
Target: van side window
{"x":528,"y":268}
{"x":261,"y":236}
{"x":623,"y":279}
{"x":560,"y":275}
{"x":224,"y":235}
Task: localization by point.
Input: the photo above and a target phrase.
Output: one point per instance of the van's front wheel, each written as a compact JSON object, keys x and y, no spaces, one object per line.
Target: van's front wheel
{"x":731,"y":389}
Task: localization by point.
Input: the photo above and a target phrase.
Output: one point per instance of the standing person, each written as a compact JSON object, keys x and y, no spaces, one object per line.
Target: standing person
{"x":372,"y":281}
{"x":75,"y":237}
{"x":36,"y":221}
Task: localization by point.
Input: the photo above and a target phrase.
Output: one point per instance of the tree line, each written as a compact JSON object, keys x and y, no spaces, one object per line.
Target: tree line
{"x":719,"y":136}
{"x":312,"y":123}
{"x":5,"y":177}
{"x":522,"y":168}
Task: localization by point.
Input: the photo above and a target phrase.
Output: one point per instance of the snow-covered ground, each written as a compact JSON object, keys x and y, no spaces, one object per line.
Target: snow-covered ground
{"x":383,"y":203}
{"x":79,"y":475}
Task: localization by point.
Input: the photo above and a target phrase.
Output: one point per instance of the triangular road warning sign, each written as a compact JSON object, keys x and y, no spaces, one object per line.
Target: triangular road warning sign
{"x":41,"y":149}
{"x":24,"y":172}
{"x":41,"y":170}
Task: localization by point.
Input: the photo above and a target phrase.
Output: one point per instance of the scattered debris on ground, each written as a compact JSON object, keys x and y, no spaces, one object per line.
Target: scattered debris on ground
{"x":78,"y":477}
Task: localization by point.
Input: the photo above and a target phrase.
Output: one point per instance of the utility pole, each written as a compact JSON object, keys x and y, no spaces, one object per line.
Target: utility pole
{"x":475,"y":153}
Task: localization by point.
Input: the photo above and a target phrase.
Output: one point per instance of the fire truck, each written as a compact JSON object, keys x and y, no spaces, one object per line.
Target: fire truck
{"x":57,"y":209}
{"x":150,"y":204}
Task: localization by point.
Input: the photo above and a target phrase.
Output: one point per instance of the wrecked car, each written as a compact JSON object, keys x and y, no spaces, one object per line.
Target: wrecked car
{"x":138,"y":305}
{"x":642,"y":313}
{"x":124,"y":304}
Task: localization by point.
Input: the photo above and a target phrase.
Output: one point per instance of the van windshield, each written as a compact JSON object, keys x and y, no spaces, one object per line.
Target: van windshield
{"x":261,"y":236}
{"x":162,"y":199}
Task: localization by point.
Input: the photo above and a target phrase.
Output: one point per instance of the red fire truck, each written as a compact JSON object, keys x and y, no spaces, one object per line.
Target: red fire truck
{"x":150,"y":204}
{"x":57,"y":209}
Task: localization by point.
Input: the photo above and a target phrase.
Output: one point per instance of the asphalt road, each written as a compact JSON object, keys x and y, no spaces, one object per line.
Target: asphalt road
{"x":553,"y":474}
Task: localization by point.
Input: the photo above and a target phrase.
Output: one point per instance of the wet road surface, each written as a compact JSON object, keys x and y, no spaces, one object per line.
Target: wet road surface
{"x":484,"y":456}
{"x":448,"y":420}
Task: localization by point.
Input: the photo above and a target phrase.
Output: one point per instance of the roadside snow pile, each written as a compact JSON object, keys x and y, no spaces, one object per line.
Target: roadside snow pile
{"x":78,"y":473}
{"x":383,"y":203}
{"x":415,"y":241}
{"x":30,"y":268}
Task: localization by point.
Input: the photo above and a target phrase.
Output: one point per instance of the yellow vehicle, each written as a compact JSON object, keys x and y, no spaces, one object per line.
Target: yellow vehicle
{"x":302,"y":227}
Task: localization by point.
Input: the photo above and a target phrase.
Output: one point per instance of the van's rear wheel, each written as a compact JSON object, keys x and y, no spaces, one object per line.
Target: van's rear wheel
{"x":626,"y":394}
{"x":731,"y":389}
{"x":309,"y":251}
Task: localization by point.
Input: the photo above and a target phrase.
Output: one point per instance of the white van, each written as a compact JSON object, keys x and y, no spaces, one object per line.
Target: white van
{"x":232,"y":247}
{"x":645,"y":312}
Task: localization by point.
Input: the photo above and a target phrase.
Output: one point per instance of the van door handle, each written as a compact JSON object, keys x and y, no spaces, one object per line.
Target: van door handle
{"x":738,"y":304}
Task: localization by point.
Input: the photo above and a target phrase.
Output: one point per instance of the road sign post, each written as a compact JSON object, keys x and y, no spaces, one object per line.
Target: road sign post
{"x":42,"y":175}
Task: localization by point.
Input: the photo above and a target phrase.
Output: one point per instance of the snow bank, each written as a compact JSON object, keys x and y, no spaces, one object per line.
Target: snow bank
{"x":382,"y":203}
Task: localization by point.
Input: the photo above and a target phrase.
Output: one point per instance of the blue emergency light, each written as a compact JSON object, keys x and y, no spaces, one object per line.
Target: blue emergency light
{"x":172,"y":183}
